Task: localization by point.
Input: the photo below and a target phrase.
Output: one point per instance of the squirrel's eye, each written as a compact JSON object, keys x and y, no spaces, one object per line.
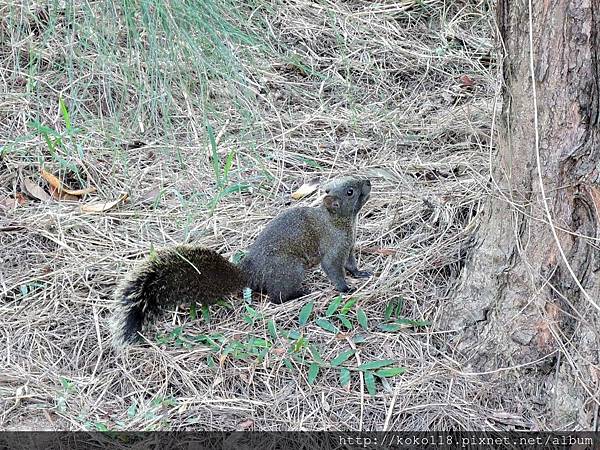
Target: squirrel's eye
{"x":349,"y":192}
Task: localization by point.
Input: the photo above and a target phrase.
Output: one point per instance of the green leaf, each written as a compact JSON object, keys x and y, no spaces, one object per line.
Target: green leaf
{"x":132,"y":410}
{"x":152,"y":254}
{"x":389,"y":309}
{"x":375,"y":364}
{"x":233,"y":189}
{"x":237,"y":257}
{"x":259,"y":342}
{"x":359,"y":339}
{"x":193,"y":312}
{"x":311,"y":162}
{"x":342,"y":357}
{"x":228,"y":163}
{"x":327,"y":325}
{"x":344,"y":321}
{"x":65,"y":113}
{"x":299,"y":344}
{"x":370,"y":383}
{"x":272,"y":328}
{"x":389,"y":327}
{"x":223,"y":303}
{"x":288,"y":363}
{"x":251,"y":311}
{"x":315,"y":354}
{"x":205,"y":313}
{"x":43,"y":129}
{"x":313,"y":371}
{"x":399,"y":306}
{"x":293,"y":334}
{"x":344,"y":377}
{"x":390,"y":372}
{"x":176,"y":332}
{"x":362,"y":318}
{"x":305,"y":313}
{"x":299,"y":358}
{"x":348,"y":305}
{"x":210,"y":361}
{"x":414,"y":323}
{"x":334,"y":305}
{"x":66,"y":384}
{"x":101,"y":426}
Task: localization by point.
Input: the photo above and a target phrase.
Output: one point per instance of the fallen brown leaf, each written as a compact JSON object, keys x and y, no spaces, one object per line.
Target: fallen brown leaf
{"x":21,"y":200}
{"x":306,"y":189}
{"x":51,"y":179}
{"x":57,"y":184}
{"x":79,"y":192}
{"x":58,"y":195}
{"x":34,"y":190}
{"x":7,"y":202}
{"x":466,"y":80}
{"x":97,"y":207}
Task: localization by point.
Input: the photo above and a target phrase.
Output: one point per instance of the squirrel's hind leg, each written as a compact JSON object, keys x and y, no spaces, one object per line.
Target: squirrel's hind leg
{"x":286,"y":285}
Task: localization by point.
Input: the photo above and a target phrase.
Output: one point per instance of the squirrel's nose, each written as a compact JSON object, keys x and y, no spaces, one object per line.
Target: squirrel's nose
{"x":368,"y":183}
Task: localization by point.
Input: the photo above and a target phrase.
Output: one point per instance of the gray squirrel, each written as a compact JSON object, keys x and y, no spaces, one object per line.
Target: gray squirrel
{"x":295,"y":241}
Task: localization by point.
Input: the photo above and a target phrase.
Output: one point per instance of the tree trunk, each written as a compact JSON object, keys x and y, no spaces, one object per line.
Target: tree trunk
{"x":527,"y":305}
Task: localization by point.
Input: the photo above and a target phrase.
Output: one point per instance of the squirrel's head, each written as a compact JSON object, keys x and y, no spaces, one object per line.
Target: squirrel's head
{"x":345,"y":196}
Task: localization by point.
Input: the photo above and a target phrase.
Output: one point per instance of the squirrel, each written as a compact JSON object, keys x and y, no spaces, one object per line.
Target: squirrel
{"x":295,"y":241}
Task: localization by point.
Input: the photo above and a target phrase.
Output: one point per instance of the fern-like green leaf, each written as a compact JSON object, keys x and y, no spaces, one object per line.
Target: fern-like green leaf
{"x":327,"y":325}
{"x":342,"y":357}
{"x":375,"y":364}
{"x":205,"y":313}
{"x":272,"y":328}
{"x":390,"y":327}
{"x":370,"y":383}
{"x":390,"y":372}
{"x":305,"y":313}
{"x":344,"y":377}
{"x":362,"y":318}
{"x":315,"y":354}
{"x":348,"y":305}
{"x":347,"y":324}
{"x":334,"y":305}
{"x":313,"y":371}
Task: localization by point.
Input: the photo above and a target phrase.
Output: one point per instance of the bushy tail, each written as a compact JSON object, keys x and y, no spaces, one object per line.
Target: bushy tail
{"x":182,"y":274}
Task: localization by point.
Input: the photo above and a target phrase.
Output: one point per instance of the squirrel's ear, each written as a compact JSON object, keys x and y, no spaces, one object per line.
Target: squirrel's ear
{"x":331,"y":202}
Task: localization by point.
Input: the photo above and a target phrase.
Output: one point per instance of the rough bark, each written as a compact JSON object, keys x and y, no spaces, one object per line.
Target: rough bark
{"x":517,"y":303}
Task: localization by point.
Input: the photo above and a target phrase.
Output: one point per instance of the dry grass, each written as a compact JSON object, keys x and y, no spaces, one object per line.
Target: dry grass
{"x":321,"y":89}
